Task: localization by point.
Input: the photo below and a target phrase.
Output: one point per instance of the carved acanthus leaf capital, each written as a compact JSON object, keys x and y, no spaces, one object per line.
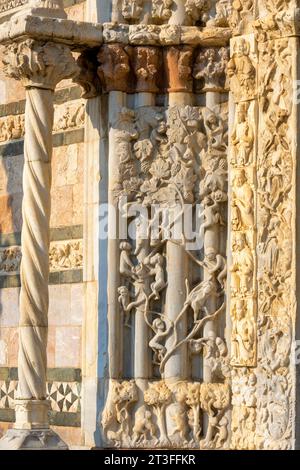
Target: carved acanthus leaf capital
{"x":38,"y":64}
{"x":114,"y":70}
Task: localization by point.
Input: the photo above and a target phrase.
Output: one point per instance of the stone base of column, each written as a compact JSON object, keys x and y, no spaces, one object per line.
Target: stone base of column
{"x":34,"y":439}
{"x":31,"y":429}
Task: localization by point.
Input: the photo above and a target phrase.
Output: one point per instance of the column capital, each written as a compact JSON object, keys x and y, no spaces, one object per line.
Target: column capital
{"x":146,"y":66}
{"x":114,"y":70}
{"x":179,"y":65}
{"x":39,"y":64}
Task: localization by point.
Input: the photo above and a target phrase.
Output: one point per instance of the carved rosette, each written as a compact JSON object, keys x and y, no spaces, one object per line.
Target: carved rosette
{"x":40,"y":66}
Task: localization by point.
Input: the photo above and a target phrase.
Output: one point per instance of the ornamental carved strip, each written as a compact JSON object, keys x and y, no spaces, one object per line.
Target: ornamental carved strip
{"x":194,"y":12}
{"x":276,"y":244}
{"x":66,"y":116}
{"x":242,"y":75}
{"x":6,"y":5}
{"x":63,"y":256}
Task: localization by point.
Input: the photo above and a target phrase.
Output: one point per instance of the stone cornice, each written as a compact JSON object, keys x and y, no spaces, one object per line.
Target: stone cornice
{"x":79,"y":35}
{"x":74,"y":33}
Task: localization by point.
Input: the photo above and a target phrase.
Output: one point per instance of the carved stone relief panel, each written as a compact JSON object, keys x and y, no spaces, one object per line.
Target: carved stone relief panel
{"x":276,"y":297}
{"x":66,"y":116}
{"x":62,"y":256}
{"x":169,"y":160}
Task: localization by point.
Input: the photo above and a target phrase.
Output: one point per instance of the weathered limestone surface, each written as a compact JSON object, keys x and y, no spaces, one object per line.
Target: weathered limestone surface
{"x":189,"y":334}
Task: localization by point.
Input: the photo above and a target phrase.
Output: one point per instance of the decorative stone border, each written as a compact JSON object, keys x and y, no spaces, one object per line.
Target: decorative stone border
{"x":63,"y":389}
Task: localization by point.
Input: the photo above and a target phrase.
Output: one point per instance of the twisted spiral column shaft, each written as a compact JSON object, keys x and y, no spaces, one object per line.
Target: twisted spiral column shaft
{"x":34,"y":298}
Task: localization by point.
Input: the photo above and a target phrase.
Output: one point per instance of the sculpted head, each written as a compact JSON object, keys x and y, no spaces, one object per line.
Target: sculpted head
{"x":211,"y":254}
{"x":240,"y":178}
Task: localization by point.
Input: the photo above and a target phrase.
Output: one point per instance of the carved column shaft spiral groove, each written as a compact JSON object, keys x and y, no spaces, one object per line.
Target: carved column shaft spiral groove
{"x":40,"y":66}
{"x":35,"y":244}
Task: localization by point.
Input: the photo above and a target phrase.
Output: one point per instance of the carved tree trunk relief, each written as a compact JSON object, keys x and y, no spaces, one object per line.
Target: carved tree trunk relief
{"x":195,"y":122}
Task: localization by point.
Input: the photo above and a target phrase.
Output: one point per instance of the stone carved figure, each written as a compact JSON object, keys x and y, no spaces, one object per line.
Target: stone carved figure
{"x":215,"y":400}
{"x":242,"y":267}
{"x":242,"y":138}
{"x":197,"y":10}
{"x":116,"y":417}
{"x":210,"y":68}
{"x":243,"y":335}
{"x":242,"y":202}
{"x":242,"y":72}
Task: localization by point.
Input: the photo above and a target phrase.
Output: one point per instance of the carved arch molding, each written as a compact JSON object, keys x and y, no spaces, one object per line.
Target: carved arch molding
{"x":202,"y":123}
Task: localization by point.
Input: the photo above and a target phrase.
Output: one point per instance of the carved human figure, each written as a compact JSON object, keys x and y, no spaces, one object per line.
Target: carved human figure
{"x":126,"y":264}
{"x":242,"y":266}
{"x":144,"y":429}
{"x":241,"y":71}
{"x":199,"y":296}
{"x":157,"y":270}
{"x":161,"y":330}
{"x":243,"y":334}
{"x":211,"y":215}
{"x":214,"y":264}
{"x":242,"y":138}
{"x":242,"y":202}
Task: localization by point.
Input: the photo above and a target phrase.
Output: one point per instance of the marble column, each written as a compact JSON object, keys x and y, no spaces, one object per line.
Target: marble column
{"x":180,"y":88}
{"x":40,"y":66}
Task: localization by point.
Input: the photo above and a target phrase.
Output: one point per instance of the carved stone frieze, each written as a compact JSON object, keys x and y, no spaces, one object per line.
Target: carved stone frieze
{"x":183,"y":404}
{"x":62,"y":256}
{"x":66,"y":116}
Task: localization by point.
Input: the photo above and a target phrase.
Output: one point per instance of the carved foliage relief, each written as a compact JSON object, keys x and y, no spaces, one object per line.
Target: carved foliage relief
{"x":276,"y":297}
